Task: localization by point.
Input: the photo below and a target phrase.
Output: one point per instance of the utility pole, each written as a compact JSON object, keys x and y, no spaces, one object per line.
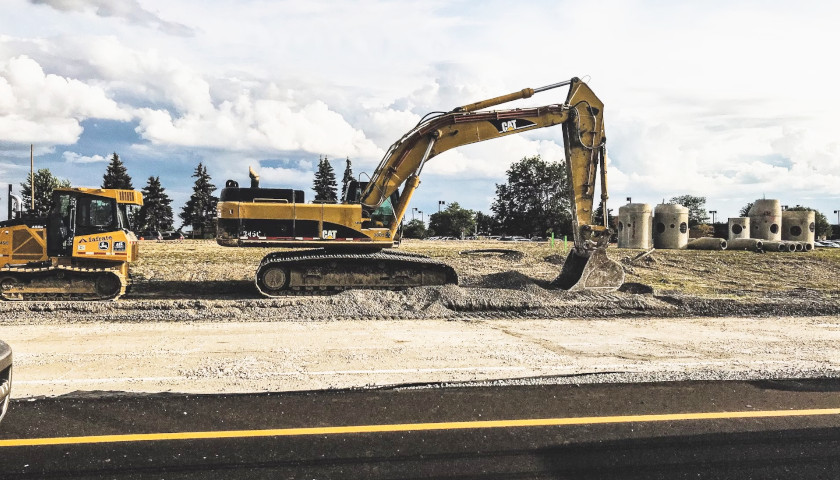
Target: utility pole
{"x":32,"y":176}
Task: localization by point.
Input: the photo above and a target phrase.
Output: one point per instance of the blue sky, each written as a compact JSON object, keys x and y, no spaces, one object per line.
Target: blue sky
{"x":730,"y":100}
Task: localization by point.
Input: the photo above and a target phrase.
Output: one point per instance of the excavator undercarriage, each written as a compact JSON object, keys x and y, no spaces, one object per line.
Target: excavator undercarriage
{"x":312,"y":271}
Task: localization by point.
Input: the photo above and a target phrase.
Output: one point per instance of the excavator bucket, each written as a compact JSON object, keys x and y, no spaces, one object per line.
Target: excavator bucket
{"x":589,"y":270}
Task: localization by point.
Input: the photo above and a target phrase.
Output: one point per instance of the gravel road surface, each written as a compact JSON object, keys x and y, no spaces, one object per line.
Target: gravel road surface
{"x":231,"y":356}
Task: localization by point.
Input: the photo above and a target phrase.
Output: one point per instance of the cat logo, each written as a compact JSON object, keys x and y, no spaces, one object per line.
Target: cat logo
{"x":328,"y":234}
{"x":507,"y":126}
{"x":104,"y":245}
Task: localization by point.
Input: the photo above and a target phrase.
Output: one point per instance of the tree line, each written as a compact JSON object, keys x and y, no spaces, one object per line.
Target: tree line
{"x":535,"y":201}
{"x":156,"y":213}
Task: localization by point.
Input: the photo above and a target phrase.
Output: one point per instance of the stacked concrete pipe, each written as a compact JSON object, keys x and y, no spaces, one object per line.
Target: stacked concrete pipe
{"x":753,"y":244}
{"x":707,"y":243}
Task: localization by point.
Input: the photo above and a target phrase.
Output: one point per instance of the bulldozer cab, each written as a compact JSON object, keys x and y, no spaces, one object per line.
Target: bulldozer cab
{"x":76,"y":213}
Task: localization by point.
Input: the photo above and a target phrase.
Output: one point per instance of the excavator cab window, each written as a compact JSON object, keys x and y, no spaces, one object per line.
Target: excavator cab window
{"x":384,"y":216}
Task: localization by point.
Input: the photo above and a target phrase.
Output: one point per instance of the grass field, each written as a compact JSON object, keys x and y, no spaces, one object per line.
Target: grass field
{"x":696,"y":272}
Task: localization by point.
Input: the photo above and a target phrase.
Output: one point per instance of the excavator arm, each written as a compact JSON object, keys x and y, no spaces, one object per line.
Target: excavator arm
{"x":581,"y":117}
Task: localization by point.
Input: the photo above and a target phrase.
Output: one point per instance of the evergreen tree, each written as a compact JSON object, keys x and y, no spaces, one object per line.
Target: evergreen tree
{"x":536,"y":199}
{"x":325,"y":185}
{"x":45,"y":183}
{"x":116,"y":175}
{"x":200,"y":210}
{"x":348,"y":177}
{"x":156,"y":212}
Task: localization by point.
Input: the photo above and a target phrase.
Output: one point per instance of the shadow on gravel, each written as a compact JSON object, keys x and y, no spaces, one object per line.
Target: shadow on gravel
{"x":214,"y":289}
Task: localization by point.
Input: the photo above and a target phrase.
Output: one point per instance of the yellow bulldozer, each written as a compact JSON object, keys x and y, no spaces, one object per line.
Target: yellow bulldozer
{"x":80,"y":251}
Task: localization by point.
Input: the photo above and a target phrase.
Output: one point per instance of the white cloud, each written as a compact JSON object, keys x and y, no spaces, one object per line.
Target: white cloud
{"x":128,"y":10}
{"x":739,"y":113}
{"x":73,"y":157}
{"x":258,"y":125}
{"x":46,"y":108}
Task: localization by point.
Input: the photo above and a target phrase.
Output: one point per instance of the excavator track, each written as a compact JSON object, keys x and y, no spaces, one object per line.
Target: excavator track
{"x":60,"y":283}
{"x":312,"y":272}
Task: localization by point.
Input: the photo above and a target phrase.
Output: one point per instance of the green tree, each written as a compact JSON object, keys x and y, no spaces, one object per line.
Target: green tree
{"x":454,"y":221}
{"x":415,"y":229}
{"x":535,"y":200}
{"x":200,"y":210}
{"x":745,"y":210}
{"x":324,"y":184}
{"x":45,"y":183}
{"x":486,"y":224}
{"x":156,"y":212}
{"x":116,"y":175}
{"x":348,"y":176}
{"x":821,"y":225}
{"x":598,"y":216}
{"x":696,"y":208}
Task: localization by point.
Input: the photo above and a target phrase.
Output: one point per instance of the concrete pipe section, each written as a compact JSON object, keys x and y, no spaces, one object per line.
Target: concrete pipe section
{"x":753,"y":244}
{"x":799,"y":226}
{"x":634,"y":226}
{"x":707,"y":243}
{"x":670,"y":226}
{"x":766,"y":220}
{"x":739,"y":227}
{"x":777,"y":246}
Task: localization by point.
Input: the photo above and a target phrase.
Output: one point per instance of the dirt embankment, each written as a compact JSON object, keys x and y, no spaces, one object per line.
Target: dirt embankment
{"x":198,"y":280}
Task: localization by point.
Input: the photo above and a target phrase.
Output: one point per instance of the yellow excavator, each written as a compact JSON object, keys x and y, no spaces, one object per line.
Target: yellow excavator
{"x":80,"y":251}
{"x":349,"y":244}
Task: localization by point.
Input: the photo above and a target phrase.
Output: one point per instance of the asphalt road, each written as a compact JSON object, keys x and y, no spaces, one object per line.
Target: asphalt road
{"x":767,"y":429}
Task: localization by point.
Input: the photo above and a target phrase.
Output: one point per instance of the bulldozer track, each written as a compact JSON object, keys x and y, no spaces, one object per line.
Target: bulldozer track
{"x":100,"y":283}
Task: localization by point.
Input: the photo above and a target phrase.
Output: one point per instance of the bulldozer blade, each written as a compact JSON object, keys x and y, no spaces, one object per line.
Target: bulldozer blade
{"x":589,"y":270}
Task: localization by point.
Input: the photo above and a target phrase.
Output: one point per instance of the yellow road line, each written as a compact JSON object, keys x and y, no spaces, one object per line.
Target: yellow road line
{"x":407,"y":427}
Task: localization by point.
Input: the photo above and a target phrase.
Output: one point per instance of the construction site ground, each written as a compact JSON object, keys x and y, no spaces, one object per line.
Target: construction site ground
{"x":194,"y":322}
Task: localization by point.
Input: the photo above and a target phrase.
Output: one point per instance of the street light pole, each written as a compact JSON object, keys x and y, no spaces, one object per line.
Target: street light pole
{"x":440,"y":202}
{"x":713,"y":212}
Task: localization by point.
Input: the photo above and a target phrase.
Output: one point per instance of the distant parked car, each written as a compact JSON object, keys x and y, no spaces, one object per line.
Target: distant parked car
{"x":5,"y":377}
{"x":149,"y":235}
{"x":171,"y":235}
